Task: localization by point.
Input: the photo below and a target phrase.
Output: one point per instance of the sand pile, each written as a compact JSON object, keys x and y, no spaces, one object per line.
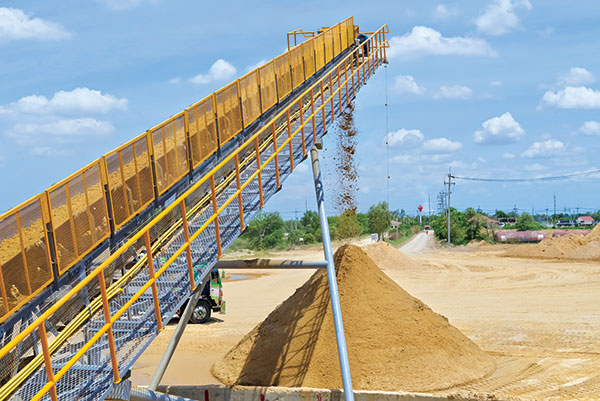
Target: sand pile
{"x":395,"y":342}
{"x":572,"y":246}
{"x":387,"y":257}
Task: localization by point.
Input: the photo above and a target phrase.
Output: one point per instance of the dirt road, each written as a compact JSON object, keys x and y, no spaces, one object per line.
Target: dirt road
{"x":419,"y":243}
{"x":540,"y":319}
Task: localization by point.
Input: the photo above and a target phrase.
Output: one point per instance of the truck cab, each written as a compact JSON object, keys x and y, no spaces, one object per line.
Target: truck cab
{"x":211,"y":299}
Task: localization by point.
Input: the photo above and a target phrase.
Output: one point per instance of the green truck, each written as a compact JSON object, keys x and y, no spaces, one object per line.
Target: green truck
{"x":211,"y":299}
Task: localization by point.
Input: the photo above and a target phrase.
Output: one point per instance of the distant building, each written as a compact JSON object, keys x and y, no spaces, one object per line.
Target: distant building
{"x":565,"y":223}
{"x":585,"y":221}
{"x":491,"y":223}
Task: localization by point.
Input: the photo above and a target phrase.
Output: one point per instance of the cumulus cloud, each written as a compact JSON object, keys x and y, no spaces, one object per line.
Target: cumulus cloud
{"x":442,"y":11}
{"x":590,"y":128}
{"x":454,"y":92}
{"x":65,"y":127}
{"x":572,"y":97}
{"x":219,"y":71}
{"x":576,"y":76}
{"x":407,"y":84}
{"x":15,"y":24}
{"x":508,"y":156}
{"x":499,"y":130}
{"x":534,"y":167}
{"x":441,"y":146}
{"x":119,"y":5}
{"x":46,"y":151}
{"x":500,"y":17}
{"x":548,"y":148}
{"x":422,"y":40}
{"x":405,"y":137}
{"x":79,"y":100}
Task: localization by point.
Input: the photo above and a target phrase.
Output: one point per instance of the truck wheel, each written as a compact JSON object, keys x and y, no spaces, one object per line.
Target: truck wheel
{"x":201,"y":312}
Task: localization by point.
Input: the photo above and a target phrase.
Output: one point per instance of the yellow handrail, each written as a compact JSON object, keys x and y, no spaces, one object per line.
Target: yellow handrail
{"x":379,"y":46}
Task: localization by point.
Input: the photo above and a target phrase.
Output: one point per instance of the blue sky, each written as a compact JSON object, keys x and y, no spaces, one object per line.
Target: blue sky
{"x":495,"y":88}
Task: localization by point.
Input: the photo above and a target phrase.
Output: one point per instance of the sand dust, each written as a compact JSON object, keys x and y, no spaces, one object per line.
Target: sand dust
{"x":574,"y":246}
{"x":346,"y":163}
{"x":395,"y":342}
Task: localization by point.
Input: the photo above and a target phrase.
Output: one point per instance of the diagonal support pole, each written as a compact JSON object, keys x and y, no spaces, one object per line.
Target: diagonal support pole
{"x":333,"y":290}
{"x":177,"y":334}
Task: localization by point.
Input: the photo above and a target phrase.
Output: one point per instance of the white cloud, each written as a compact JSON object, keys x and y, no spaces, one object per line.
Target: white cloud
{"x":174,"y":80}
{"x":508,"y":156}
{"x":441,"y":146}
{"x":62,"y":128}
{"x":535,"y":167}
{"x":15,"y":25}
{"x":500,"y":18}
{"x":46,"y":151}
{"x":407,"y":84}
{"x":420,"y":159}
{"x":423,"y":41}
{"x":219,"y":71}
{"x":407,"y":138}
{"x":454,"y":92}
{"x":549,"y":148}
{"x":443,"y":12}
{"x":499,"y":130}
{"x":79,"y":100}
{"x":255,"y":65}
{"x":572,"y":97}
{"x":590,"y":128}
{"x":119,"y":5}
{"x":576,"y":76}
{"x":496,"y":83}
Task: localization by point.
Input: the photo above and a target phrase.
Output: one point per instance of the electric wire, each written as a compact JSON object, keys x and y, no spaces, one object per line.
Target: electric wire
{"x":532,"y":179}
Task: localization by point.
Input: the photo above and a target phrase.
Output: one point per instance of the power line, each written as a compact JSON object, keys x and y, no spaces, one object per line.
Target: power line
{"x":533,"y":179}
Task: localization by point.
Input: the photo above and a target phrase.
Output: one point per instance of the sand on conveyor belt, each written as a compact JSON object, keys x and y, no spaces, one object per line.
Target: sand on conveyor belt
{"x":395,"y":342}
{"x":387,"y":257}
{"x":573,"y":246}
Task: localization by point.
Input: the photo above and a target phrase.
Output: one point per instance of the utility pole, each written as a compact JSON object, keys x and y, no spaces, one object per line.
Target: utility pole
{"x":449,"y":183}
{"x":554,"y":206}
{"x":429,"y":203}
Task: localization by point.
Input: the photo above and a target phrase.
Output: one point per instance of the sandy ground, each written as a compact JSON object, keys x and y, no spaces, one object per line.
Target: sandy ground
{"x":540,"y":319}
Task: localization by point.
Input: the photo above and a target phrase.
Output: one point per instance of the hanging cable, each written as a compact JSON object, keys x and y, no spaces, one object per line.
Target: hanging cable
{"x":387,"y":138}
{"x":533,"y":179}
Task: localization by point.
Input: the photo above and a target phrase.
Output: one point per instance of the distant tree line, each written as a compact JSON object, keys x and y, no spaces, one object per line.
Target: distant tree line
{"x":270,"y":231}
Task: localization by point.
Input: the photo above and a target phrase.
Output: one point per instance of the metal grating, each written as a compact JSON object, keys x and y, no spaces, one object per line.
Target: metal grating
{"x":91,"y":376}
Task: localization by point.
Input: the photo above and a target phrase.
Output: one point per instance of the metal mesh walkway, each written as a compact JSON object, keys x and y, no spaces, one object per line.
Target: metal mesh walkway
{"x":214,"y":212}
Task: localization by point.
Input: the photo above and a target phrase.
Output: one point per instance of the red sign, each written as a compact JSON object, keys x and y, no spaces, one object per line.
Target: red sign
{"x":420,"y":208}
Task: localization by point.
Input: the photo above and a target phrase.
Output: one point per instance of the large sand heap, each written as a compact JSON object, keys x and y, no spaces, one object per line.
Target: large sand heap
{"x":572,"y":246}
{"x":387,"y":257}
{"x":395,"y":342}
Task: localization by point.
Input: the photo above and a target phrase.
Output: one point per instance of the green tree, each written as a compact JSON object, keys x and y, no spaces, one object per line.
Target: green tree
{"x":363,"y":221}
{"x":526,"y":222}
{"x":265,"y":231}
{"x":379,"y":219}
{"x":476,"y":225}
{"x":457,"y":229}
{"x":310,"y":221}
{"x":348,"y":225}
